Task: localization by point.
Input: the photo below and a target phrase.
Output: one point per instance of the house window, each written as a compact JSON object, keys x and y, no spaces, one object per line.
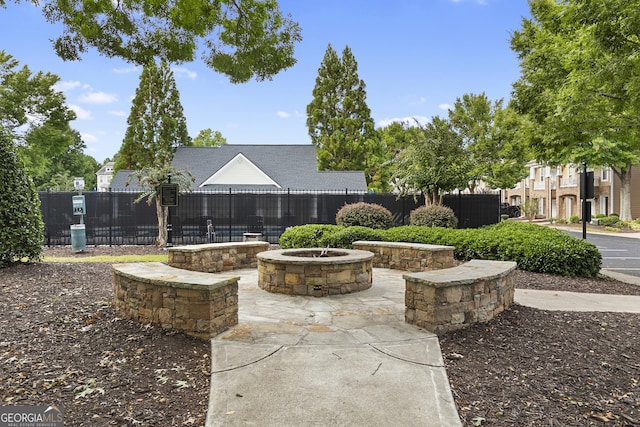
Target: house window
{"x":604,"y":204}
{"x":605,"y":174}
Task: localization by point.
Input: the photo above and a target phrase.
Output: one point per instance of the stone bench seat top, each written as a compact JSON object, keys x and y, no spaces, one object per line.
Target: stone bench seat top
{"x":224,"y":245}
{"x":162,"y":274}
{"x":463,"y":274}
{"x":408,"y":245}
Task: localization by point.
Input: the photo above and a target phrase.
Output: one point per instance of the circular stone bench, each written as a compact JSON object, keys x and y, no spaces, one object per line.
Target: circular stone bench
{"x":407,"y":256}
{"x":455,"y":298}
{"x":198,"y":304}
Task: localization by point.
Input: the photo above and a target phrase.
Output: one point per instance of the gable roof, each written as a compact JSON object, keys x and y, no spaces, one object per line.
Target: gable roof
{"x":271,"y":168}
{"x":240,"y":171}
{"x":257,"y":168}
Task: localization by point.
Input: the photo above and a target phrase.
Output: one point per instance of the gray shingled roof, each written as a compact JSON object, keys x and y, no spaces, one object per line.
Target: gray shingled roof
{"x":291,"y":166}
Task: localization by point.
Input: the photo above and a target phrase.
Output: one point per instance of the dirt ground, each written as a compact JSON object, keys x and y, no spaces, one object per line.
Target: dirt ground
{"x":62,"y":343}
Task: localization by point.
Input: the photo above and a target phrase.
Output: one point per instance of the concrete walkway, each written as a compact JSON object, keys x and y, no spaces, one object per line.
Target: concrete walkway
{"x":347,"y":360}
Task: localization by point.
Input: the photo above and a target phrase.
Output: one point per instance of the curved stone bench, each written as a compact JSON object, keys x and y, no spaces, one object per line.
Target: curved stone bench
{"x":407,"y":256}
{"x":216,"y":257}
{"x":455,"y":298}
{"x":198,"y":304}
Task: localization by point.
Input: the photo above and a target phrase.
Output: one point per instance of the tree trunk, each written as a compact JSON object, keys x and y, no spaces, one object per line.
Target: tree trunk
{"x":625,"y":192}
{"x":161,"y":212}
{"x":433,"y":197}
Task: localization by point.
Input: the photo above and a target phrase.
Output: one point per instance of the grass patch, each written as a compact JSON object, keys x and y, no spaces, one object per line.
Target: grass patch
{"x":110,"y":258}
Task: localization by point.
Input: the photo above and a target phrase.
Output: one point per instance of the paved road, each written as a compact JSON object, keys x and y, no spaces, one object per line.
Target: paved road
{"x":620,"y":254}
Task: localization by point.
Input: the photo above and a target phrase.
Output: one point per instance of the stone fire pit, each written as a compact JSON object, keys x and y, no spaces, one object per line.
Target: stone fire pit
{"x":315,"y":272}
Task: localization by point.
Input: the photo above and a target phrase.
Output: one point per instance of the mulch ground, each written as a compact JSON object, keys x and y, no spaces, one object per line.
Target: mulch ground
{"x":62,"y":343}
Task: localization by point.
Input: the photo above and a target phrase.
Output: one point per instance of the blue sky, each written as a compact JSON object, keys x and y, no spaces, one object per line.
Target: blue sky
{"x":415,"y":57}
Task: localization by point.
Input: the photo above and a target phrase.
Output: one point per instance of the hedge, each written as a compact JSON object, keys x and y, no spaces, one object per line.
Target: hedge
{"x":535,"y":248}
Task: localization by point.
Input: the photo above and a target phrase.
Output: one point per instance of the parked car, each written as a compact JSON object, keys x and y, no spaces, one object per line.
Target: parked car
{"x":511,"y":210}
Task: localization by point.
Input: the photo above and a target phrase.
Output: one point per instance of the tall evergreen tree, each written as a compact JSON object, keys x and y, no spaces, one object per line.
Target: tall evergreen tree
{"x":21,"y":226}
{"x":338,"y":118}
{"x":156,"y":122}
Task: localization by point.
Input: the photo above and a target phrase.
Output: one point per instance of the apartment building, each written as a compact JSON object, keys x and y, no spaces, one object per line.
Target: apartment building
{"x":104,"y":177}
{"x":557,"y":190}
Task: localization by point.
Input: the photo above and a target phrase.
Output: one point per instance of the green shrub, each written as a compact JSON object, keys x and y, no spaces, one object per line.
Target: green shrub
{"x":306,"y":236}
{"x":22,"y":228}
{"x":345,"y":237}
{"x":533,"y":247}
{"x":365,"y":215}
{"x":504,"y":217}
{"x":546,"y":250}
{"x":434,"y":216}
{"x":561,"y":221}
{"x":609,"y":221}
{"x":600,"y":215}
{"x":574,"y":219}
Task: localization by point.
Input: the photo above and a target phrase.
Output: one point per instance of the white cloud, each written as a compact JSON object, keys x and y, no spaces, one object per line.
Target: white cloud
{"x":98,"y":98}
{"x":283,"y":114}
{"x":126,"y":70}
{"x":81,"y":113}
{"x":66,"y":86}
{"x":184,"y":71}
{"x":445,"y":107}
{"x":117,"y":113}
{"x":88,"y":138}
{"x":411,"y":121}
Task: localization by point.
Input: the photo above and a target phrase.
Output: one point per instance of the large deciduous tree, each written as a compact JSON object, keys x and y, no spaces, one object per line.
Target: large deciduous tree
{"x":156,"y":123}
{"x":35,"y":115}
{"x":493,"y":147}
{"x":243,"y":38}
{"x":208,"y":138}
{"x":433,"y":163}
{"x":21,"y":226}
{"x":338,"y":118}
{"x":68,"y":165}
{"x":580,"y":84}
{"x":393,"y":138}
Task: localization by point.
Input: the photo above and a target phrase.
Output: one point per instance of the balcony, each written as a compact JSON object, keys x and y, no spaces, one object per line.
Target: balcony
{"x":539,"y":185}
{"x":571,"y":181}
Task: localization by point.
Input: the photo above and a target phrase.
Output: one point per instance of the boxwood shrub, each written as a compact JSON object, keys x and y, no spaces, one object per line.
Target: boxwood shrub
{"x":365,"y":215}
{"x":609,"y":221}
{"x":306,"y":236}
{"x":434,"y":216}
{"x":535,"y":248}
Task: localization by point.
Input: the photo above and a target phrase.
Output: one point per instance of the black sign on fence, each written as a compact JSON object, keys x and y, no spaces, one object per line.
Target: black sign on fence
{"x":169,"y":194}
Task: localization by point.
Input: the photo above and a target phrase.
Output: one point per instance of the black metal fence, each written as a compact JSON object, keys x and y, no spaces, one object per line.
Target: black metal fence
{"x":113,"y":218}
